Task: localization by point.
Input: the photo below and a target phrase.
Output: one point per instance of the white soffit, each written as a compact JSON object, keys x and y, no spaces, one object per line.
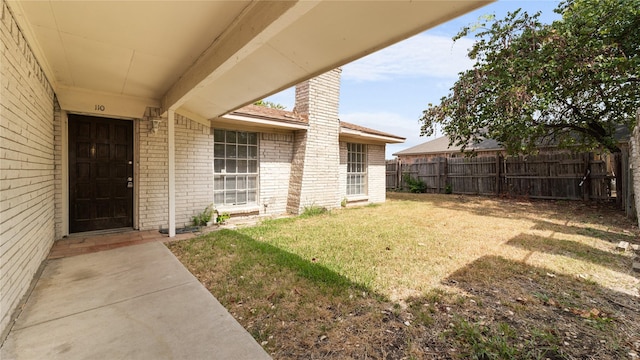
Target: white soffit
{"x":209,"y":57}
{"x":328,"y":35}
{"x":128,"y":49}
{"x":357,"y":135}
{"x":249,"y":122}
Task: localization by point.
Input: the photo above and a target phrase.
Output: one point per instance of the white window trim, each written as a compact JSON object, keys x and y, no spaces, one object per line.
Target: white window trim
{"x":249,"y":206}
{"x":365,"y":175}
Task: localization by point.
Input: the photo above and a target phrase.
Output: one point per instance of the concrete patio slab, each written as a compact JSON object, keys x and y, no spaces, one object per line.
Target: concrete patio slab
{"x":131,"y":302}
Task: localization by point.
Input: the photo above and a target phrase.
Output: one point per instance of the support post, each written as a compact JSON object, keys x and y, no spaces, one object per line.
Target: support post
{"x":172,"y":171}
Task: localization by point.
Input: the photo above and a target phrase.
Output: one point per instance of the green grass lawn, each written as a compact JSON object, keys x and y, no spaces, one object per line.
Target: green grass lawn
{"x":430,"y":276}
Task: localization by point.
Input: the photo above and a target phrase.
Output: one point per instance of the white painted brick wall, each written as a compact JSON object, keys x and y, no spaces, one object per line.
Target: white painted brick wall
{"x":376,"y":173}
{"x":153,"y":177}
{"x":58,"y":174}
{"x":315,"y":168}
{"x":276,"y":154}
{"x":343,"y":169}
{"x":27,"y":226}
{"x":194,"y":169}
{"x":194,"y":172}
{"x":376,"y":191}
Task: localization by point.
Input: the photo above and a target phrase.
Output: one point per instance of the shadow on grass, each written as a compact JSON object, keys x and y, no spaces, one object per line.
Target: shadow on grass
{"x":573,"y":250}
{"x":609,"y":236}
{"x":294,"y":307}
{"x":508,"y":310}
{"x":480,"y":205}
{"x":254,"y":254}
{"x":550,"y":317}
{"x":514,"y":209}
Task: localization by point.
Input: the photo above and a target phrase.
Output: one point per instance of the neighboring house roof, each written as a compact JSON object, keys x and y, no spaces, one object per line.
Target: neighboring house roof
{"x":441,"y":145}
{"x":289,"y":119}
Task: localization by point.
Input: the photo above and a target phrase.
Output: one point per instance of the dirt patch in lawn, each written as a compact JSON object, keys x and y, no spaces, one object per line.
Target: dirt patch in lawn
{"x":431,"y":276}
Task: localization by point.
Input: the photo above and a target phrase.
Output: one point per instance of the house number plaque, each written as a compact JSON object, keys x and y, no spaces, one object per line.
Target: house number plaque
{"x":99,"y":107}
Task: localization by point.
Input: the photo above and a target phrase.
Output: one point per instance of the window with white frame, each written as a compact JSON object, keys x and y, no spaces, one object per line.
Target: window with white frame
{"x":356,"y":169}
{"x":235,"y":167}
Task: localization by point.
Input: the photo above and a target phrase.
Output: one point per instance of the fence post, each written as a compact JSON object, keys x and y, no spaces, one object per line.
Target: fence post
{"x":498,"y":174}
{"x":399,"y":173}
{"x":446,"y":171}
{"x":620,"y":192}
{"x":586,"y":184}
{"x":628,"y":190}
{"x":624,"y":170}
{"x":438,"y":177}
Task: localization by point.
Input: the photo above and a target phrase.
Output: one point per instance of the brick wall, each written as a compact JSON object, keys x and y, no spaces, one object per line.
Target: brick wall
{"x":153,"y":188}
{"x":276,"y":155}
{"x":297,"y":170}
{"x":376,"y":172}
{"x":194,"y":169}
{"x":27,"y":225}
{"x":194,"y":173}
{"x":342,"y":173}
{"x":58,"y":128}
{"x":315,"y":167}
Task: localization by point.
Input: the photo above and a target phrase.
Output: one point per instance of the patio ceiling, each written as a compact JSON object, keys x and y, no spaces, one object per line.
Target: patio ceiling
{"x":206,"y":58}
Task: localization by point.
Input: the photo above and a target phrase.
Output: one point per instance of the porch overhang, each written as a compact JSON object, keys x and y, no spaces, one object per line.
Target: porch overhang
{"x":357,"y":133}
{"x":360,"y":136}
{"x":249,"y":122}
{"x":207,"y":58}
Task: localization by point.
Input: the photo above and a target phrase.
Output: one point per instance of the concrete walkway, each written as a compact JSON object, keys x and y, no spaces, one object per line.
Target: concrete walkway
{"x":134,"y":302}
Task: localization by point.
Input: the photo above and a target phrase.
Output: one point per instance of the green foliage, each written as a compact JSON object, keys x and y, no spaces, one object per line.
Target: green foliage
{"x":204,"y":217}
{"x":570,"y":83}
{"x":313,"y":210}
{"x":486,"y":342}
{"x":448,"y":189}
{"x":344,"y":202}
{"x":222,"y":218}
{"x":270,"y":104}
{"x":415,"y":185}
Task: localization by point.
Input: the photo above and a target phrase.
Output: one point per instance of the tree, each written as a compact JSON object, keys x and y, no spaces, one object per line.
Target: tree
{"x":569,"y":83}
{"x":270,"y":104}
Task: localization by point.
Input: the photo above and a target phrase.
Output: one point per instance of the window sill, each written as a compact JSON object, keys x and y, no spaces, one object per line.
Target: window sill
{"x":357,"y":198}
{"x":239,"y":210}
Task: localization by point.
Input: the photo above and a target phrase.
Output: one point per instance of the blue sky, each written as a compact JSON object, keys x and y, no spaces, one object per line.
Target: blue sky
{"x":389,"y":89}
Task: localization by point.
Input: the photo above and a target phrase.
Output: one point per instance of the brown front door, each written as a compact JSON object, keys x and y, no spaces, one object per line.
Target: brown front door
{"x":100,"y":173}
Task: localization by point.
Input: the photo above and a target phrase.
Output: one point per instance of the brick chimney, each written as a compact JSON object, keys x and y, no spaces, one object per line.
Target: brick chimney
{"x":316,"y":156}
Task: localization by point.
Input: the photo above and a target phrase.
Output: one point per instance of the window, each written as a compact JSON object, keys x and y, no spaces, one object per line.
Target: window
{"x":356,"y":169}
{"x":235,"y":167}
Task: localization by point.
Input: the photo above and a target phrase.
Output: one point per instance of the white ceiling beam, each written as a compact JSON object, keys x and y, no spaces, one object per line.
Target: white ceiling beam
{"x":193,"y":116}
{"x":252,"y":29}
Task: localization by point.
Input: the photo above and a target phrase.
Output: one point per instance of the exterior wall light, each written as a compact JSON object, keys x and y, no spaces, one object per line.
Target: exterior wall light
{"x":155,"y":125}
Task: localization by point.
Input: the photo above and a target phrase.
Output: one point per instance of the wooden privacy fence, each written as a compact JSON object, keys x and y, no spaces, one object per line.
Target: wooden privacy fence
{"x":585,"y":176}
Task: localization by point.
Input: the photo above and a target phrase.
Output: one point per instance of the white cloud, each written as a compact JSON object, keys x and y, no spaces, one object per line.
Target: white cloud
{"x":422,"y":55}
{"x":391,"y":123}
